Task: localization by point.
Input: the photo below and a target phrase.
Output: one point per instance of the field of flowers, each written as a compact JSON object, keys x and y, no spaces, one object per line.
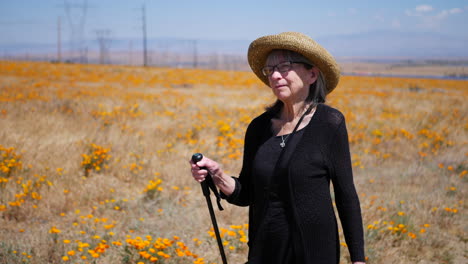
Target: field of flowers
{"x":94,"y":163}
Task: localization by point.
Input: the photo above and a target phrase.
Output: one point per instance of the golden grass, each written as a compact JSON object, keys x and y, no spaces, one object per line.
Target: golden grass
{"x":94,"y":163}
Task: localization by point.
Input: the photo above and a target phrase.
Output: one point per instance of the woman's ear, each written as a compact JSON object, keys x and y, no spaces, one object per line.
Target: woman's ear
{"x":314,"y":73}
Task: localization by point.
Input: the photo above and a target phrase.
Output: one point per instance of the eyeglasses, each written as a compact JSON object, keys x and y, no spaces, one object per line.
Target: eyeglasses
{"x":281,"y":67}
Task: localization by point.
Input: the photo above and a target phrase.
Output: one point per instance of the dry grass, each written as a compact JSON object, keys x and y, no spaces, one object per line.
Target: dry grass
{"x":408,"y":140}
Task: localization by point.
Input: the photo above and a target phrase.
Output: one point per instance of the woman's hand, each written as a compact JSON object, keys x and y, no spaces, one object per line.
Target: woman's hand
{"x":197,"y":173}
{"x":224,"y":182}
{"x":201,"y":169}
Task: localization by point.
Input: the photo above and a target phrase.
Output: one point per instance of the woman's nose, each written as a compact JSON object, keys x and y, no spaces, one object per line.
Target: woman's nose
{"x":275,"y":74}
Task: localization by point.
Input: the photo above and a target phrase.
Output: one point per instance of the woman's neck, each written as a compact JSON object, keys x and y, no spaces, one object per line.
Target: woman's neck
{"x":289,"y":117}
{"x":290,"y":112}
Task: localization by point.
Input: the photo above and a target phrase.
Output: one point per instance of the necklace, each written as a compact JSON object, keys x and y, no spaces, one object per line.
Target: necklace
{"x":283,"y":140}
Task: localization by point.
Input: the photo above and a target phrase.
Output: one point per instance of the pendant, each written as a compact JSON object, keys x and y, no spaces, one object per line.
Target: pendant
{"x":282,"y":144}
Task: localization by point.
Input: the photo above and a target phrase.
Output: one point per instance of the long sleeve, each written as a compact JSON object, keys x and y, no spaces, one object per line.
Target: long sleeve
{"x":346,"y":198}
{"x":243,"y":189}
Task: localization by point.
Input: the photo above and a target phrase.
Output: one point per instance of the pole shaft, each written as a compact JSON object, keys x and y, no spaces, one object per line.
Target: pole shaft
{"x":213,"y":220}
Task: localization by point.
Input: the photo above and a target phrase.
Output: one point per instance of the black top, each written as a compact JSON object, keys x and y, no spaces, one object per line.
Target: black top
{"x":266,"y":161}
{"x":321,"y":155}
{"x":276,"y":241}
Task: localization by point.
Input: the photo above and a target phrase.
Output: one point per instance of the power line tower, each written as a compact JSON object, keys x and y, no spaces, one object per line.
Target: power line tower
{"x":59,"y":40}
{"x":103,"y":38}
{"x":130,"y":53}
{"x":145,"y":51}
{"x":76,"y":14}
{"x":195,"y":54}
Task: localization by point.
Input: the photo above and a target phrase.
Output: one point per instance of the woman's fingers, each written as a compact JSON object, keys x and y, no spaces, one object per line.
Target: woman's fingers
{"x":198,"y":173}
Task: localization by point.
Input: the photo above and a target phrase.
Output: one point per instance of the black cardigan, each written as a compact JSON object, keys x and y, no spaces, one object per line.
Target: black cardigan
{"x":321,"y":155}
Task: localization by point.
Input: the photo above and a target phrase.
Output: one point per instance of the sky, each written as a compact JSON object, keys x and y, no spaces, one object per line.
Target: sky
{"x":33,"y":21}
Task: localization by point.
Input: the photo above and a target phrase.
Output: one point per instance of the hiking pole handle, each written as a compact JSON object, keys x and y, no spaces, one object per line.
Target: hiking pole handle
{"x":197,"y":157}
{"x":206,"y":189}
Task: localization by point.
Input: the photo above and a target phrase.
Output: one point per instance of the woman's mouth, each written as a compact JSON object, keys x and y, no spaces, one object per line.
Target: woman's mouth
{"x":279,"y":86}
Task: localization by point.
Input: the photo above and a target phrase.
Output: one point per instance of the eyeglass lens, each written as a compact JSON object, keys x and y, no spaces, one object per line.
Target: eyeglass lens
{"x":282,"y":67}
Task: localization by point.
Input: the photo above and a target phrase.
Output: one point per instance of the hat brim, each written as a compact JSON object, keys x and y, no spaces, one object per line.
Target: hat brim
{"x":260,"y":48}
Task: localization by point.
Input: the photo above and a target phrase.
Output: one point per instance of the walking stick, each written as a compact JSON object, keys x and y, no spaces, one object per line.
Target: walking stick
{"x":206,"y":185}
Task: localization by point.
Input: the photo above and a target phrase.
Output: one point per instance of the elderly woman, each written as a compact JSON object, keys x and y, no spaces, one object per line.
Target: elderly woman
{"x":291,"y":153}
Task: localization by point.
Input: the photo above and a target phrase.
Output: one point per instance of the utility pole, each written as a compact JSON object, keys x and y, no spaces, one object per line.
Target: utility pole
{"x":104,"y":41}
{"x":59,"y":40}
{"x":195,"y":54}
{"x":130,"y":53}
{"x":145,"y":52}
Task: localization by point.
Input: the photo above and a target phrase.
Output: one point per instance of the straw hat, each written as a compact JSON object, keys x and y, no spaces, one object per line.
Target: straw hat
{"x":300,"y":43}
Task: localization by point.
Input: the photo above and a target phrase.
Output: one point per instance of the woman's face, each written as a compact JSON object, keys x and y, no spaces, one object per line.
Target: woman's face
{"x":293,"y":85}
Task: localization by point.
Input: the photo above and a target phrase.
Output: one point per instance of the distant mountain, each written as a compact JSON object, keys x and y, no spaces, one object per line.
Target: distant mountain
{"x":382,"y":44}
{"x":396,"y":44}
{"x":202,"y":46}
{"x":184,"y":46}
